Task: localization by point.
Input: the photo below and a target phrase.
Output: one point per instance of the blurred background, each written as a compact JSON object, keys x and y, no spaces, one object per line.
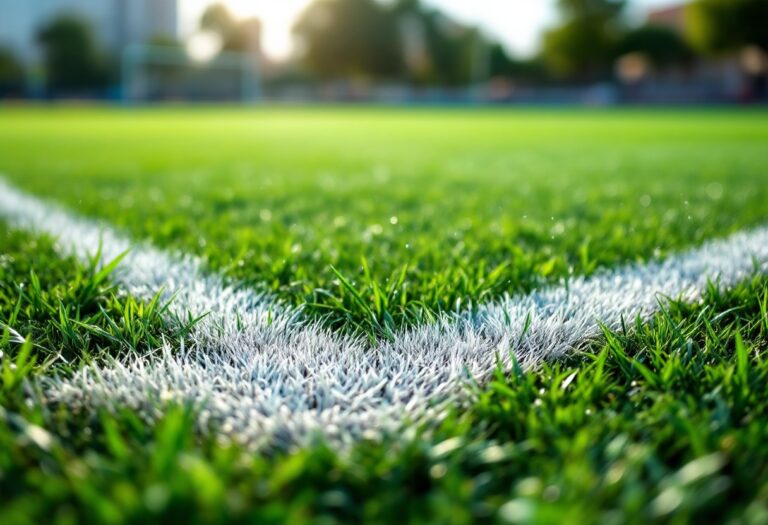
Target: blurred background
{"x":592,"y":52}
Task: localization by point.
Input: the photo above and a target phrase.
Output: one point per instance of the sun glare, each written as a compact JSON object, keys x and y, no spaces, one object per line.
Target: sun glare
{"x":277,"y":18}
{"x":203,"y":46}
{"x":515,"y":22}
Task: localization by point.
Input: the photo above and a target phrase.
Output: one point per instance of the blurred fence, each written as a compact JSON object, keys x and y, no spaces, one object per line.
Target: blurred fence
{"x":157,"y":74}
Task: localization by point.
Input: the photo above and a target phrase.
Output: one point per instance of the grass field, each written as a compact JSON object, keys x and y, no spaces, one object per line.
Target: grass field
{"x":372,"y":221}
{"x":472,"y":204}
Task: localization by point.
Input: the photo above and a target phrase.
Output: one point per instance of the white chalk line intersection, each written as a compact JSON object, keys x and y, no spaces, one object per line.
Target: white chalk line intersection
{"x":263,"y":377}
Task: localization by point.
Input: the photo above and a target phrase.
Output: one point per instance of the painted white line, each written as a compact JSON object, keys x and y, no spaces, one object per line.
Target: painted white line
{"x":263,"y":377}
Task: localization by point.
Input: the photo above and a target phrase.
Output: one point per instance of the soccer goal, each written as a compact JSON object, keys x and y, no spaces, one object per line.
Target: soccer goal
{"x":157,"y":74}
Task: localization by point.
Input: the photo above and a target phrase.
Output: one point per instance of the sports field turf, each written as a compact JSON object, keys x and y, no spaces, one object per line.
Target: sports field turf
{"x":376,"y":220}
{"x":482,"y":203}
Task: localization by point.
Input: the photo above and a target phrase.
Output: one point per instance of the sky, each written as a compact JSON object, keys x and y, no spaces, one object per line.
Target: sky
{"x":516,"y":23}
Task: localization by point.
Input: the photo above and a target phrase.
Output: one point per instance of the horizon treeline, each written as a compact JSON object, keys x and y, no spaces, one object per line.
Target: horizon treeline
{"x":407,"y":42}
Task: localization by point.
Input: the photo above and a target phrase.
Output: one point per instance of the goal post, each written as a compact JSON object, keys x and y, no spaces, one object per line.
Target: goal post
{"x":164,"y":73}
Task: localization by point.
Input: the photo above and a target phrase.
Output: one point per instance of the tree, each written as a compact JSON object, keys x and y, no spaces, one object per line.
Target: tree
{"x":662,"y":46}
{"x":502,"y":65}
{"x":725,"y":25}
{"x":584,"y":46}
{"x":236,"y":35}
{"x":454,"y":54}
{"x":11,"y":74}
{"x":350,"y":37}
{"x":71,"y":56}
{"x":729,"y":25}
{"x":392,"y":40}
{"x":603,"y":9}
{"x":454,"y":48}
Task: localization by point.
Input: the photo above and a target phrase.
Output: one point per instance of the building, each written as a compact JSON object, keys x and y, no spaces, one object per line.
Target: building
{"x":116,"y":23}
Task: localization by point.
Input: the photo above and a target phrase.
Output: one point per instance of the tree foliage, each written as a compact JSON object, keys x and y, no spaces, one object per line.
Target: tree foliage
{"x":350,"y":37}
{"x":73,"y":61}
{"x":722,"y":25}
{"x":236,"y":35}
{"x":455,"y":53}
{"x":661,"y":45}
{"x":604,"y":9}
{"x":585,"y":44}
{"x":403,"y":40}
{"x":11,"y":73}
{"x":503,"y":65}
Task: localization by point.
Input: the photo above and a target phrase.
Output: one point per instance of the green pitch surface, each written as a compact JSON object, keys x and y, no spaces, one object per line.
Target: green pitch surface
{"x":467,"y":204}
{"x":372,"y":219}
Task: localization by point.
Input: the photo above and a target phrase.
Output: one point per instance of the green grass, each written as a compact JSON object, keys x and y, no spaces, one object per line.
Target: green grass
{"x":664,"y":422}
{"x":483,"y":202}
{"x":71,"y":312}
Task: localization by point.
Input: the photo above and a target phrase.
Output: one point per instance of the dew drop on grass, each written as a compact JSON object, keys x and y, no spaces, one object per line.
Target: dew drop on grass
{"x":39,"y":436}
{"x":372,"y":231}
{"x":714,"y":191}
{"x":438,"y":471}
{"x":517,"y":511}
{"x":529,"y":487}
{"x":667,"y":502}
{"x":551,"y":493}
{"x":393,"y":220}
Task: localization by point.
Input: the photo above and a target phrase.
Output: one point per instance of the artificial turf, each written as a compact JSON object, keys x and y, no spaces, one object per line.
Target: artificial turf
{"x":662,"y":422}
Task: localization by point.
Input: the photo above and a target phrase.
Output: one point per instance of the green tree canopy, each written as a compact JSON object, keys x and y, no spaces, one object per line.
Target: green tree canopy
{"x":350,"y":37}
{"x":584,"y":45}
{"x":663,"y":46}
{"x":11,"y":73}
{"x":503,"y":65}
{"x":721,"y":25}
{"x":236,"y":35}
{"x":454,"y":52}
{"x":73,"y":61}
{"x":380,"y":40}
{"x":605,"y":9}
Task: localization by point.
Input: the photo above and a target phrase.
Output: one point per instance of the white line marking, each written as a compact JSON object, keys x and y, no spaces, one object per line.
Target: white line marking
{"x":280,"y":382}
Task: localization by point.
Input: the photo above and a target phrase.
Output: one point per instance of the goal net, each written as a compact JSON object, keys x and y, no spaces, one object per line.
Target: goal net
{"x":154,"y":74}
